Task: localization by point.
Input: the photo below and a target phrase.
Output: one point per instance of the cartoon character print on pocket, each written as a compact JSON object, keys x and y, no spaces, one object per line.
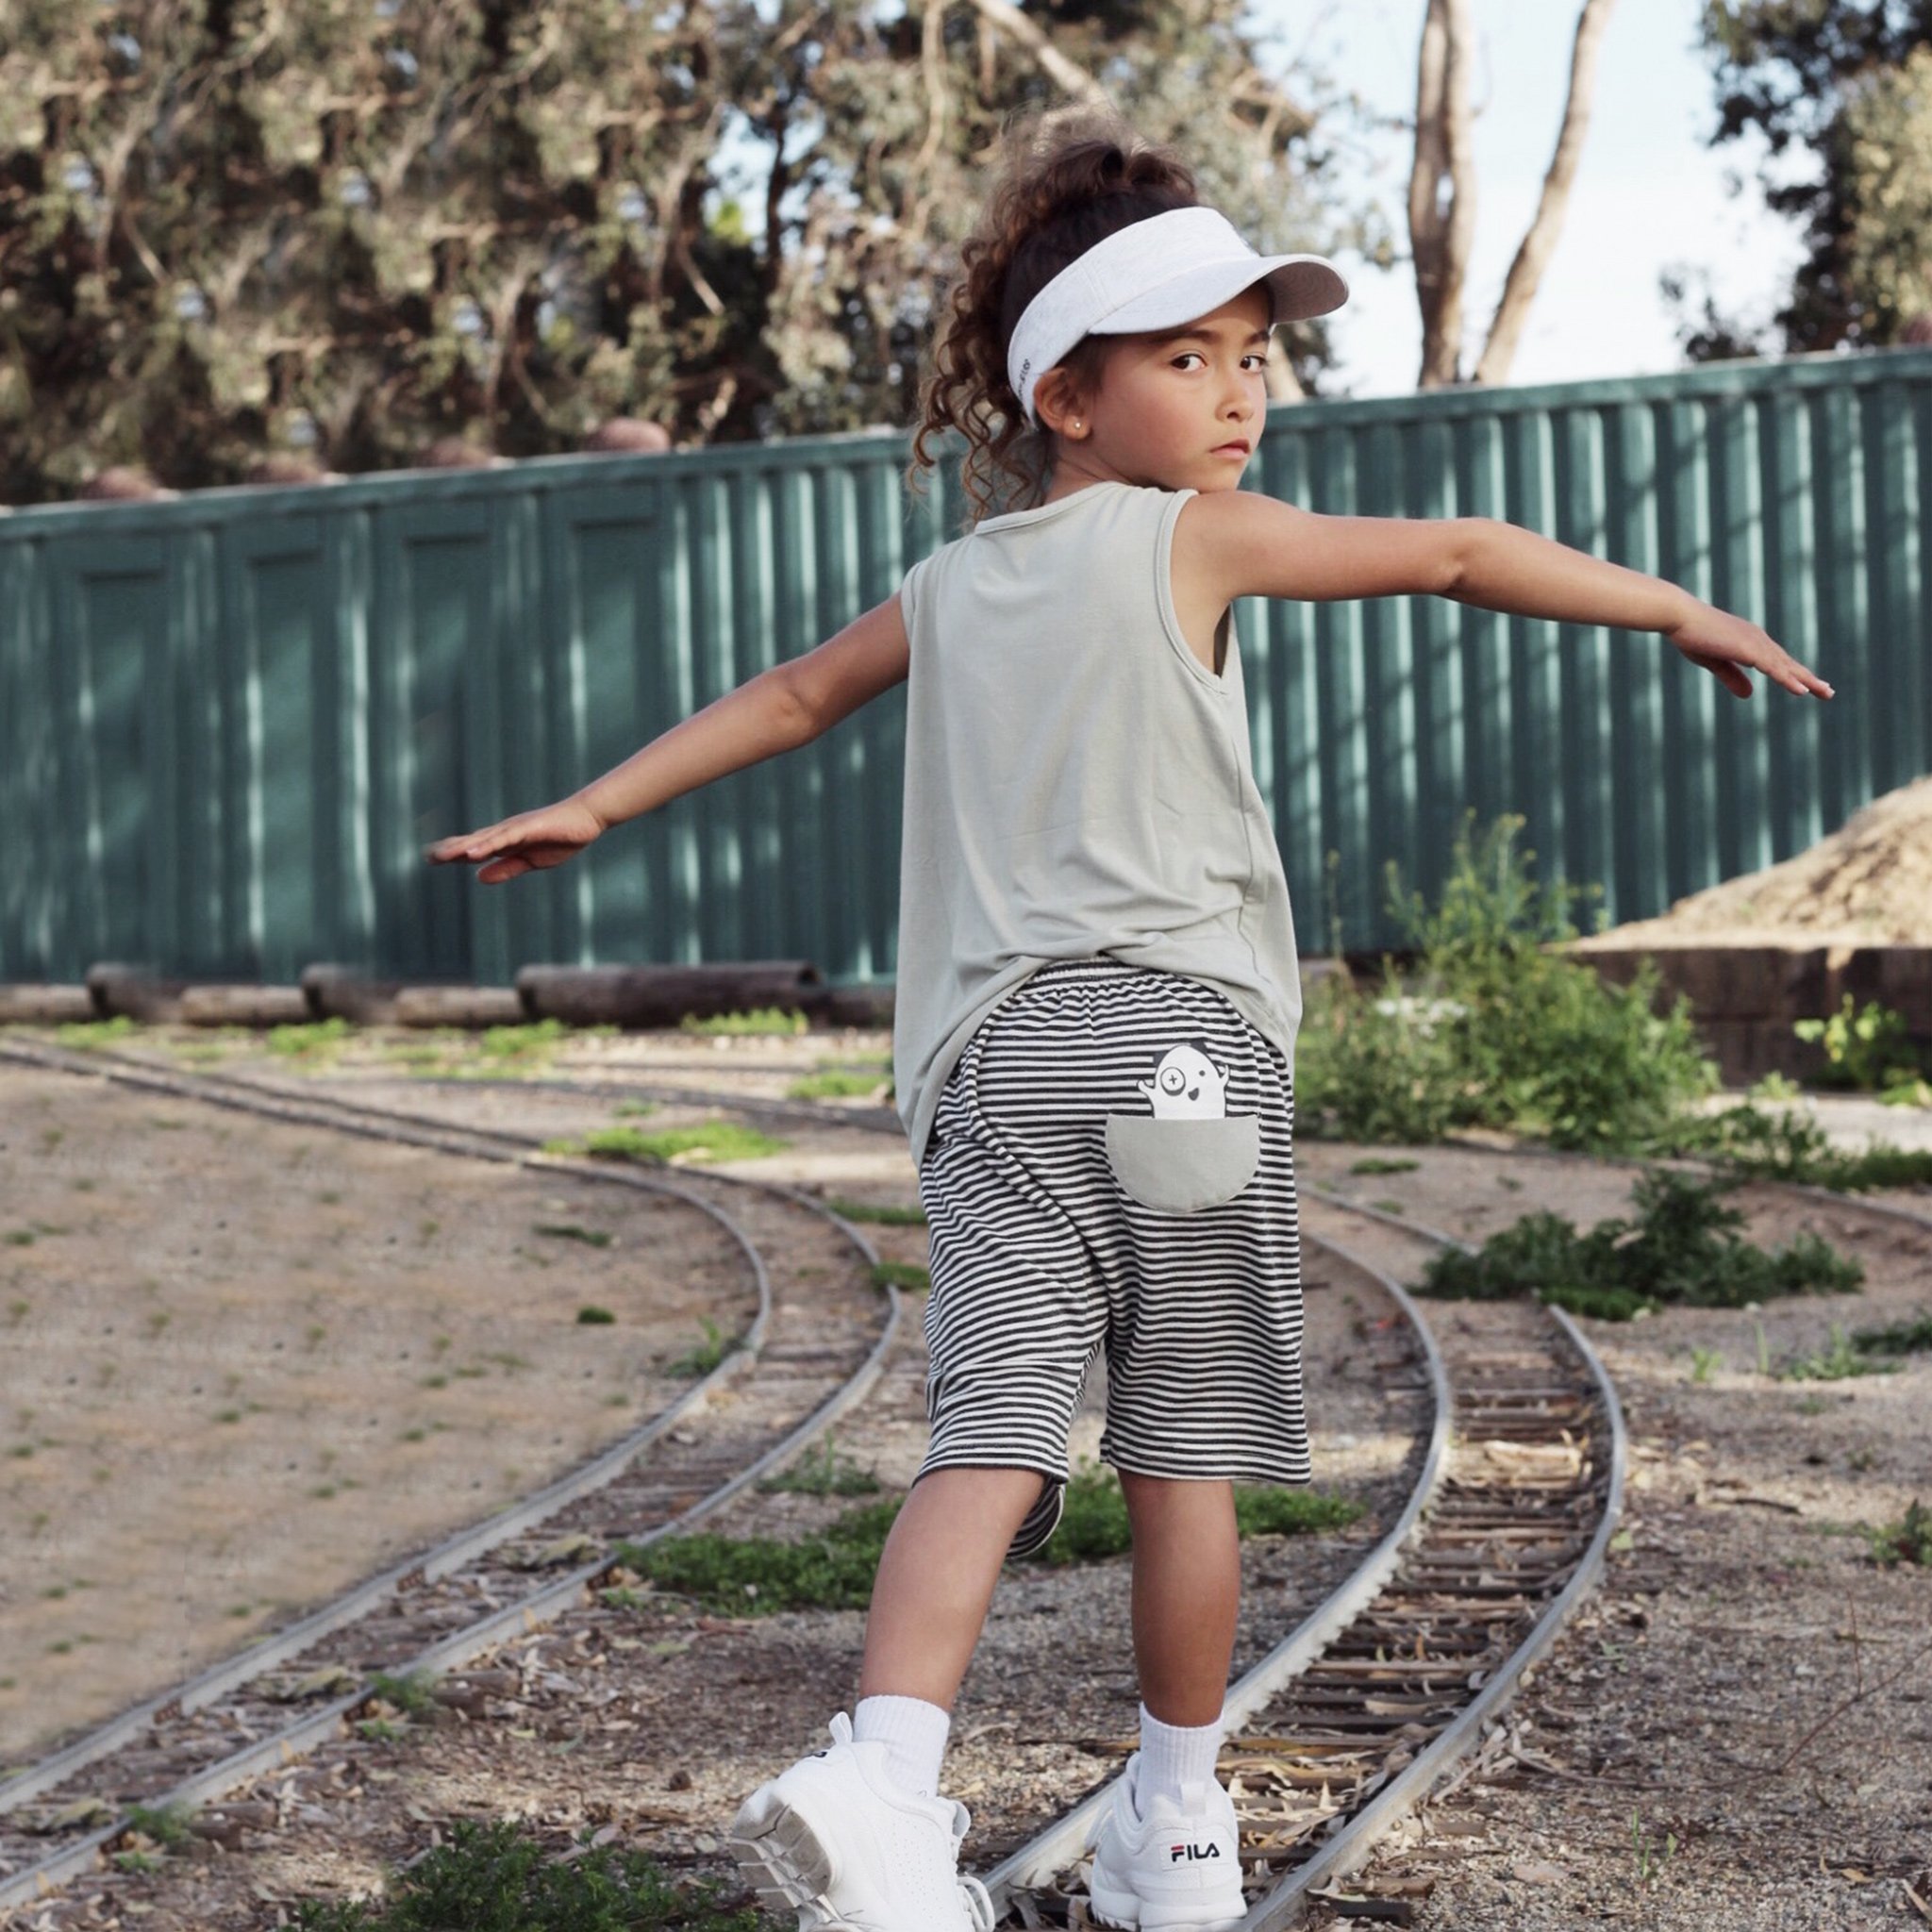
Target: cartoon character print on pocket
{"x":1189,"y":1153}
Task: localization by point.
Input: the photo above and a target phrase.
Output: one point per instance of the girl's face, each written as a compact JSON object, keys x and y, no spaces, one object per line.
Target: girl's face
{"x":1170,"y":404}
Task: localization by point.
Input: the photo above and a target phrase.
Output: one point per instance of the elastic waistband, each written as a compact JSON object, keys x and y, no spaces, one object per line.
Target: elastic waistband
{"x":1085,"y":966}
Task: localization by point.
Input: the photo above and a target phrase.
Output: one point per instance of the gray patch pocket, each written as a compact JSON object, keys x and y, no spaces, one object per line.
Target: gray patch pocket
{"x":1182,"y":1166}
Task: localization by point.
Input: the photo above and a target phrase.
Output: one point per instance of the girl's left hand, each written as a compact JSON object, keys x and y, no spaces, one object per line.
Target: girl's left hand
{"x":1723,"y":645}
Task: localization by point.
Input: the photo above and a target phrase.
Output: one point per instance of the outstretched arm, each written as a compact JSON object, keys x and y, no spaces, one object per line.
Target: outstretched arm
{"x":1247,"y":545}
{"x":777,"y":710}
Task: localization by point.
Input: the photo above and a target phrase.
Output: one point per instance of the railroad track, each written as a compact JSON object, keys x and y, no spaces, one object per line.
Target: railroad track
{"x":1366,"y":1707}
{"x":814,"y":1349}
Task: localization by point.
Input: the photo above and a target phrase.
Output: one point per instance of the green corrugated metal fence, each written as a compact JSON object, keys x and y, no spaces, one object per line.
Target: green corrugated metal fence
{"x":228,"y":722}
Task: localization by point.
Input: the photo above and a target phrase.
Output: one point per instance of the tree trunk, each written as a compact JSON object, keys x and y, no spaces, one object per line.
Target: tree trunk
{"x":1441,"y":236}
{"x":1526,"y":271}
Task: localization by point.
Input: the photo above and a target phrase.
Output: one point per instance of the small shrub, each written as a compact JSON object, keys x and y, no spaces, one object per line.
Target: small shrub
{"x":1682,"y":1249}
{"x":592,"y":1316}
{"x":1866,"y":1048}
{"x":1908,"y":1540}
{"x":868,"y":1210}
{"x":499,"y":1877}
{"x":760,"y":1020}
{"x":1897,"y":1338}
{"x":166,"y":1825}
{"x":413,"y":1695}
{"x":906,"y":1275}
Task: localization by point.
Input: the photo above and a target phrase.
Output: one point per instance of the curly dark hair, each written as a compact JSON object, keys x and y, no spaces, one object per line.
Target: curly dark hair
{"x":1066,"y":180}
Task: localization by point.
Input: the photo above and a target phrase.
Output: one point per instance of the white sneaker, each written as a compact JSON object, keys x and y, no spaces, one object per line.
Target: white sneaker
{"x":855,"y":1851}
{"x":1177,"y":1870}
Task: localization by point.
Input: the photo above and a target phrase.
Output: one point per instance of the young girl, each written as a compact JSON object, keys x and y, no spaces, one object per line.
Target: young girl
{"x":1097,"y":991}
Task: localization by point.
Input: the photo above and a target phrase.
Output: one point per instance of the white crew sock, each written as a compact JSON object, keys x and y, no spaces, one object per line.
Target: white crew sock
{"x":914,"y":1735}
{"x":1171,"y":1757}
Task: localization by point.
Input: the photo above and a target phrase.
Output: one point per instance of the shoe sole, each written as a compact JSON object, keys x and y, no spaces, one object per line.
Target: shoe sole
{"x":1133,"y":1916}
{"x":783,"y":1859}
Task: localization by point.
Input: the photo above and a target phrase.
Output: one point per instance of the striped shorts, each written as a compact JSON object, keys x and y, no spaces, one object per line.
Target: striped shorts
{"x":1109,"y":1167}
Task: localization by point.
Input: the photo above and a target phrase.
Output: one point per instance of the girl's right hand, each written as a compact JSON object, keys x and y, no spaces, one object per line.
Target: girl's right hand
{"x":531,"y":842}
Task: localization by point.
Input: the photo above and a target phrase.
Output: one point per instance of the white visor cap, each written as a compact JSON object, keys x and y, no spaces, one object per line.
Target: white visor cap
{"x":1159,"y":272}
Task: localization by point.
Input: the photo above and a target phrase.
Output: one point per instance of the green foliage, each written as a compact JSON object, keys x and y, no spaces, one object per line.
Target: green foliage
{"x":498,"y":1877}
{"x":167,"y":1825}
{"x":572,"y":1231}
{"x":1908,"y":1540}
{"x":317,"y":1040}
{"x":1897,"y":1338}
{"x":413,"y":1695}
{"x":833,"y":1568}
{"x":886,"y":1216}
{"x":755,"y":1020}
{"x":822,"y":1471}
{"x":1837,"y":1363}
{"x":906,"y":1275}
{"x":1682,"y":1249}
{"x":1750,"y":1143}
{"x":86,"y":1033}
{"x":704,"y":1140}
{"x":1866,"y":1048}
{"x":834,"y":1084}
{"x":707,"y":1354}
{"x":1497,"y":1028}
{"x":592,"y":1316}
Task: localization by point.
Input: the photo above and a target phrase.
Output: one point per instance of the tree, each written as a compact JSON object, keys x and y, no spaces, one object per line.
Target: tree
{"x":1851,"y":81}
{"x":232,"y":227}
{"x":1443,"y":194}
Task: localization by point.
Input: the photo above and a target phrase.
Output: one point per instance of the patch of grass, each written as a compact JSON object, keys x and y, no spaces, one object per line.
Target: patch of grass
{"x":571,"y":1231}
{"x":1375,"y":1163}
{"x":906,"y":1275}
{"x":1704,"y":1363}
{"x":166,"y":1825}
{"x":499,"y":1877}
{"x":590,"y":1316}
{"x":86,"y":1033}
{"x":759,"y":1020}
{"x":704,"y":1140}
{"x":834,"y":1568}
{"x":823,"y":1472}
{"x":834,"y":1086}
{"x":1752,"y":1143}
{"x":707,"y":1355}
{"x":1897,"y":1338}
{"x":413,"y":1693}
{"x":1867,"y":1048}
{"x":1682,"y":1249}
{"x":1837,"y":1363}
{"x":870,"y":1211}
{"x":1908,"y":1540}
{"x":317,"y":1040}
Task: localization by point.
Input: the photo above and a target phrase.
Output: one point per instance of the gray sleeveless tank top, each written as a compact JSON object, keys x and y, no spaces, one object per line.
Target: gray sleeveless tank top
{"x":1076,"y":781}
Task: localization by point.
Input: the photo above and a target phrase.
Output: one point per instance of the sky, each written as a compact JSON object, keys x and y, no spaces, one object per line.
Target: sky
{"x":1648,"y":193}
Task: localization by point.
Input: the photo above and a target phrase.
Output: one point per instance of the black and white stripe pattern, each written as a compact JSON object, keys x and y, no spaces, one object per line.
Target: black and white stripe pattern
{"x":1040,"y":1257}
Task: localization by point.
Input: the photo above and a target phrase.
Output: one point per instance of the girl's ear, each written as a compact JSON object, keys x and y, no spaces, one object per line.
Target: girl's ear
{"x":1058,"y":405}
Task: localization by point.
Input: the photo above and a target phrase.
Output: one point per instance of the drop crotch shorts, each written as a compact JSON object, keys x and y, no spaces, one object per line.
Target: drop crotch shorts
{"x":1110,"y":1167}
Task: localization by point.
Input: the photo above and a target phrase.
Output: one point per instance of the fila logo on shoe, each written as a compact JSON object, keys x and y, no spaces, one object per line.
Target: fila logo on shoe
{"x":1175,"y":1854}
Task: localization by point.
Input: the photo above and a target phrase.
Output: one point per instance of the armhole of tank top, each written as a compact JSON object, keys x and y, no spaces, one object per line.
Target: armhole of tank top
{"x":1163,"y":588}
{"x":909,"y":594}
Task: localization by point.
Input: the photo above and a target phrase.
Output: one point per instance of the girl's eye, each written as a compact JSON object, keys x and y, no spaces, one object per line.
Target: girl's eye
{"x":1194,"y":355}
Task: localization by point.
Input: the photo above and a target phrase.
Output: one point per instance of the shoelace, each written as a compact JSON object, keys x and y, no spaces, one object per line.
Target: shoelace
{"x":979,"y":1903}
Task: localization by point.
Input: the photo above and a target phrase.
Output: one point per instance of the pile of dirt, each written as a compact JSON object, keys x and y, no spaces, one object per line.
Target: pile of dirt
{"x":1870,"y":883}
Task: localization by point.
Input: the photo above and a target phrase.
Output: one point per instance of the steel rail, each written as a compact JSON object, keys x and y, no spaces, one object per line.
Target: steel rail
{"x":542,"y":1606}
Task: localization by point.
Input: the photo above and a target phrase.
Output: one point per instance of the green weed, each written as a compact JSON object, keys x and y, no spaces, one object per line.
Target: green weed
{"x":1897,"y":1338}
{"x":413,"y":1693}
{"x":592,"y":1316}
{"x":1908,"y":1540}
{"x":1498,"y":1027}
{"x":906,"y":1275}
{"x":316,"y":1040}
{"x":707,"y":1140}
{"x":1866,"y":1048}
{"x":760,"y":1020}
{"x":1682,"y":1249}
{"x":833,"y":1086}
{"x":1374,"y":1164}
{"x":834,"y":1568}
{"x":1837,"y":1363}
{"x":868,"y":1210}
{"x":570,"y":1231}
{"x":166,"y":1825}
{"x":1704,"y":1363}
{"x":86,"y":1033}
{"x":823,"y":1472}
{"x":499,"y":1877}
{"x":707,"y":1355}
